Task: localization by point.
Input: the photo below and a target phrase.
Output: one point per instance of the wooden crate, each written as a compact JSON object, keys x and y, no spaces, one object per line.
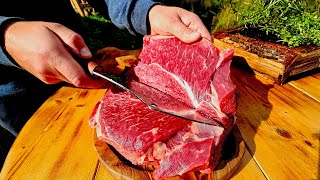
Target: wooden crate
{"x":271,"y":60}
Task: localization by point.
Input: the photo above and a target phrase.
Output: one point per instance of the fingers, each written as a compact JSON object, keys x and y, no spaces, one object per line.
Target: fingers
{"x":193,"y":22}
{"x":71,"y":39}
{"x":66,"y":65}
{"x":73,"y":72}
{"x":183,"y":24}
{"x":92,"y":66}
{"x":198,"y":26}
{"x":44,"y":49}
{"x":184,"y":33}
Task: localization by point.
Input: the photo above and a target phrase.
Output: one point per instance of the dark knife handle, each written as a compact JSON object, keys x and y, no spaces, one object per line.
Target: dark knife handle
{"x":89,"y":66}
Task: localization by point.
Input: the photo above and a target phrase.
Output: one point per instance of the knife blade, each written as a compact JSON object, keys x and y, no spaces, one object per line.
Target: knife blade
{"x":151,"y":97}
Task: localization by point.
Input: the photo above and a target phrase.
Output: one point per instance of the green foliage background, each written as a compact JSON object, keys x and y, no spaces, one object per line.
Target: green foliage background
{"x":98,"y":32}
{"x":294,"y":22}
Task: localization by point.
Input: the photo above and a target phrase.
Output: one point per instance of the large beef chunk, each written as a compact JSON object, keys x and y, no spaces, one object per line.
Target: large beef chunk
{"x":197,"y":74}
{"x":201,"y":70}
{"x":128,"y":125}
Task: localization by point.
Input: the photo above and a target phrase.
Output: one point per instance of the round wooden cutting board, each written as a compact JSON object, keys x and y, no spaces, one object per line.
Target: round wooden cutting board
{"x":121,"y":168}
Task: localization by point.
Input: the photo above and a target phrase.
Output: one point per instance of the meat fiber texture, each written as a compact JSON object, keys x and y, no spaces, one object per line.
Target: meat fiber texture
{"x":197,"y":74}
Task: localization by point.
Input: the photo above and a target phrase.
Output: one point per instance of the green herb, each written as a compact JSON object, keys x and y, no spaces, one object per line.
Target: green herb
{"x":98,"y":32}
{"x":294,"y":22}
{"x":97,"y":17}
{"x":114,"y":77}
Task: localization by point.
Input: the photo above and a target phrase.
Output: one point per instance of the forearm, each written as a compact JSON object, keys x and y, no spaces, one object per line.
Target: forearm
{"x":130,"y":14}
{"x":4,"y":57}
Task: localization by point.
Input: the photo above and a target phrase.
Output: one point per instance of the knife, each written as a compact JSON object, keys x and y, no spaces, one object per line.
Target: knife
{"x":151,"y":97}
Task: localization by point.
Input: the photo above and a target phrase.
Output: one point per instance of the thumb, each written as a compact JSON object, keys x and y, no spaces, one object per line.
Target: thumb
{"x":185,"y":34}
{"x":71,"y":39}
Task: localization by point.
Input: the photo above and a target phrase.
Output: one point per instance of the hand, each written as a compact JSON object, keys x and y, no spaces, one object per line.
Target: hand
{"x":45,"y":50}
{"x":183,"y":24}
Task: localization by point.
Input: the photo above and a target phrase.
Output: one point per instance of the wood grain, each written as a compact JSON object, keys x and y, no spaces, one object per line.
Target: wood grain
{"x":274,"y":61}
{"x":123,"y":169}
{"x":248,"y":168}
{"x":262,"y":66}
{"x":309,"y":85}
{"x":280,"y":125}
{"x":57,"y":140}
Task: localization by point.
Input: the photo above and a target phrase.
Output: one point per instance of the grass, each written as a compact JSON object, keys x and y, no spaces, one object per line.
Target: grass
{"x":98,"y":32}
{"x":294,"y":22}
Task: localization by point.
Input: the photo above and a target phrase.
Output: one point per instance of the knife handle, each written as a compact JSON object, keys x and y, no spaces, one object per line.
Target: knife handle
{"x":93,"y":66}
{"x":89,"y":66}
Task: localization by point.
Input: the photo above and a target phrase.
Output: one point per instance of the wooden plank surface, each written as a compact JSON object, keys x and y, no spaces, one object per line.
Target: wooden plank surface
{"x":57,"y":141}
{"x":248,"y":168}
{"x":309,"y":85}
{"x":280,"y":125}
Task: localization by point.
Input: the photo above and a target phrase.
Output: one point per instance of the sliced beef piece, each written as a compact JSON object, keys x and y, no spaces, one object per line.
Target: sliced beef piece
{"x":189,"y":150}
{"x":201,"y":70}
{"x":197,"y":74}
{"x":130,"y":127}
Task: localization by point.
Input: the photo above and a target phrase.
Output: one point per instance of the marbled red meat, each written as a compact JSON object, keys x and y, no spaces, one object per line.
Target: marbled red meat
{"x":197,"y":74}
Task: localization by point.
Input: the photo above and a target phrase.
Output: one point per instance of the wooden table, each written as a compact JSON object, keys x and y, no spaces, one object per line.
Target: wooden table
{"x":280,"y":126}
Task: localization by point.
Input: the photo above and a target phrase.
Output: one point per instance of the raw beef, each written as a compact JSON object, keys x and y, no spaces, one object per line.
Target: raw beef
{"x":197,"y":74}
{"x":128,"y":125}
{"x":202,"y":71}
